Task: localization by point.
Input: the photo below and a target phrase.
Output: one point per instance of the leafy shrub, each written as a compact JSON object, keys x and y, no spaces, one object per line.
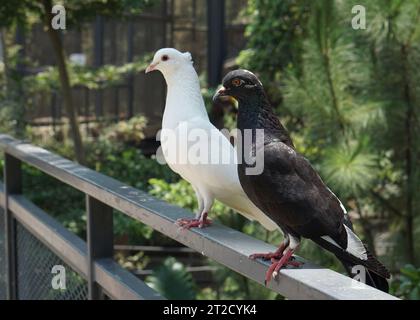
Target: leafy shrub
{"x":407,"y":285}
{"x":127,"y":132}
{"x":172,"y":280}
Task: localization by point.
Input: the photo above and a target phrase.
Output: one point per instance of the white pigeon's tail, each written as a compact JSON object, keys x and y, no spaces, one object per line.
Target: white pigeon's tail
{"x":246,"y":207}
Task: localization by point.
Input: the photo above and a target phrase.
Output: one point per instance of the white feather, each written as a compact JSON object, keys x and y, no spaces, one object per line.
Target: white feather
{"x":341,"y":204}
{"x":185,"y":105}
{"x":354,"y":245}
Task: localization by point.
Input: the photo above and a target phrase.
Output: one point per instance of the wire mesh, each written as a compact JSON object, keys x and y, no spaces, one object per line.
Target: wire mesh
{"x":35,"y":277}
{"x":2,"y":258}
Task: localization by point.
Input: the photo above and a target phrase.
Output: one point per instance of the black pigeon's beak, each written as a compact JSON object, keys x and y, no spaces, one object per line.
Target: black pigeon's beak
{"x":222,"y":95}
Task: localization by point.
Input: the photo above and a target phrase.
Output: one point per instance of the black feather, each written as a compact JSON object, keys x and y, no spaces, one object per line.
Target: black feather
{"x":376,"y":273}
{"x":289,"y":190}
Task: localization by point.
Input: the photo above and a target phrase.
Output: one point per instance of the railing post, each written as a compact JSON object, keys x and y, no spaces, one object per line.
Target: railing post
{"x":100,"y":240}
{"x":12,"y":185}
{"x":216,"y":49}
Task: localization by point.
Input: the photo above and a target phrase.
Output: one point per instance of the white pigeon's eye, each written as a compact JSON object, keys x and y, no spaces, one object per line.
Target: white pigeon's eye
{"x":165,"y":57}
{"x":237,"y":82}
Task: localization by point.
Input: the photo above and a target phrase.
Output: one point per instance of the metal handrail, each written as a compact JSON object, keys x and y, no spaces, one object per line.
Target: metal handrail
{"x":220,"y":243}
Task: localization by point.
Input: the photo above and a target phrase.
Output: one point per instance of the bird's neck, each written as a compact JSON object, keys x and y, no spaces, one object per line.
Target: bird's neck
{"x":184,"y":100}
{"x":255,"y":112}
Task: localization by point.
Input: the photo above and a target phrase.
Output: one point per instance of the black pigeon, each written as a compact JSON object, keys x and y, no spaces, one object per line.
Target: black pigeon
{"x":289,"y":190}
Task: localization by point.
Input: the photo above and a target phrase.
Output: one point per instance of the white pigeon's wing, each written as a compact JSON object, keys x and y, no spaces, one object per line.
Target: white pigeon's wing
{"x":201,"y":153}
{"x":208,"y":162}
{"x":246,"y":207}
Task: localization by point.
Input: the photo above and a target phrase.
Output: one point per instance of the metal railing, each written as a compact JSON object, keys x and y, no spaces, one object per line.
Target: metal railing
{"x":93,"y":260}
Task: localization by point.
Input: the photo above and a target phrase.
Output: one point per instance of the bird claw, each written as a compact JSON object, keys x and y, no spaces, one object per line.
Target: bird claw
{"x":270,"y":255}
{"x":276,"y":265}
{"x":185,"y":223}
{"x":266,"y":256}
{"x":294,"y":263}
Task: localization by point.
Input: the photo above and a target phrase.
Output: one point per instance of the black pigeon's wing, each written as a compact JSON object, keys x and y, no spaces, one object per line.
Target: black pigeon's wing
{"x":295,"y":196}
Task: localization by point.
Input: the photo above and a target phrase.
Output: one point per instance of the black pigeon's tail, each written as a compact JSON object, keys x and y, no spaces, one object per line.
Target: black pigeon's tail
{"x":376,"y":272}
{"x":373,"y":279}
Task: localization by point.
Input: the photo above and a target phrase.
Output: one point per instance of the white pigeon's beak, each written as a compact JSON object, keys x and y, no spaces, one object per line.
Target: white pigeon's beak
{"x":151,"y":67}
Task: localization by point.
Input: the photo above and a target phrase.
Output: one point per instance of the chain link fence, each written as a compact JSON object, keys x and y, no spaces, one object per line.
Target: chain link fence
{"x":34,"y":272}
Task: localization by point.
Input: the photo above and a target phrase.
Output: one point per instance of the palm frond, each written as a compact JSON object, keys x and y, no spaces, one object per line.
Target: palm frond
{"x":349,"y":169}
{"x":172,"y":280}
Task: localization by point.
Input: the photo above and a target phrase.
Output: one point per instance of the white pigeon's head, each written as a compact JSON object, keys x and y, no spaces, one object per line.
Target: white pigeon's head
{"x":169,"y":60}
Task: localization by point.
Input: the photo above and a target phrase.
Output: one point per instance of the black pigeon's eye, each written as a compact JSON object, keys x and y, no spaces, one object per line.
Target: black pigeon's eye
{"x":165,"y":58}
{"x":237,"y":82}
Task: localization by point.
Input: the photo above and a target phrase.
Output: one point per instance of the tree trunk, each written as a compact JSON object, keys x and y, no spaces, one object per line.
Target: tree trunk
{"x":65,"y":83}
{"x":408,"y":155}
{"x":5,"y":60}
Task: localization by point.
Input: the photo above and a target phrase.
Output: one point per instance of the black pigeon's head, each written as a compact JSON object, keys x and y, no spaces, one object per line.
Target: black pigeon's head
{"x":239,"y":84}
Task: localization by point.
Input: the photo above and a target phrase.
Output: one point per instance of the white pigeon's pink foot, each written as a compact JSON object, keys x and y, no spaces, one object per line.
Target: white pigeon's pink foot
{"x":186,"y":223}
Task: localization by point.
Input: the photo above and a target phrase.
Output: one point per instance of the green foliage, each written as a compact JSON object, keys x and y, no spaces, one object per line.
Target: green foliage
{"x":7,"y":119}
{"x":86,"y":10}
{"x":77,"y":11}
{"x":407,"y":286}
{"x":92,"y":78}
{"x":60,"y":200}
{"x":349,"y":168}
{"x":127,"y":132}
{"x":330,"y":93}
{"x":179,"y":193}
{"x":128,"y":230}
{"x":172,"y":280}
{"x":128,"y":165}
{"x":134,"y":262}
{"x":274,"y":34}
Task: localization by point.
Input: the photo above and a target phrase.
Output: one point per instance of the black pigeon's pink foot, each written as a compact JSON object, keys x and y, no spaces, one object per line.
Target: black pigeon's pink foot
{"x":270,"y":255}
{"x":276,"y":265}
{"x":186,"y":223}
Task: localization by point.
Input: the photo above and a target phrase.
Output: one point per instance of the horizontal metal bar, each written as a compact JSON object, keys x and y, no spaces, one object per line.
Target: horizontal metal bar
{"x":121,"y":284}
{"x":124,"y":247}
{"x":227,"y":246}
{"x":117,"y":282}
{"x":146,"y":272}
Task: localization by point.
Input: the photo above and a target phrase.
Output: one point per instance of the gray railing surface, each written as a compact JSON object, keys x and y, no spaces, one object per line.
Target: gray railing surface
{"x":96,"y":275}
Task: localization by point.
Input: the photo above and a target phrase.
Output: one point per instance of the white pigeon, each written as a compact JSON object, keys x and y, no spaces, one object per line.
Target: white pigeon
{"x":185,"y":112}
